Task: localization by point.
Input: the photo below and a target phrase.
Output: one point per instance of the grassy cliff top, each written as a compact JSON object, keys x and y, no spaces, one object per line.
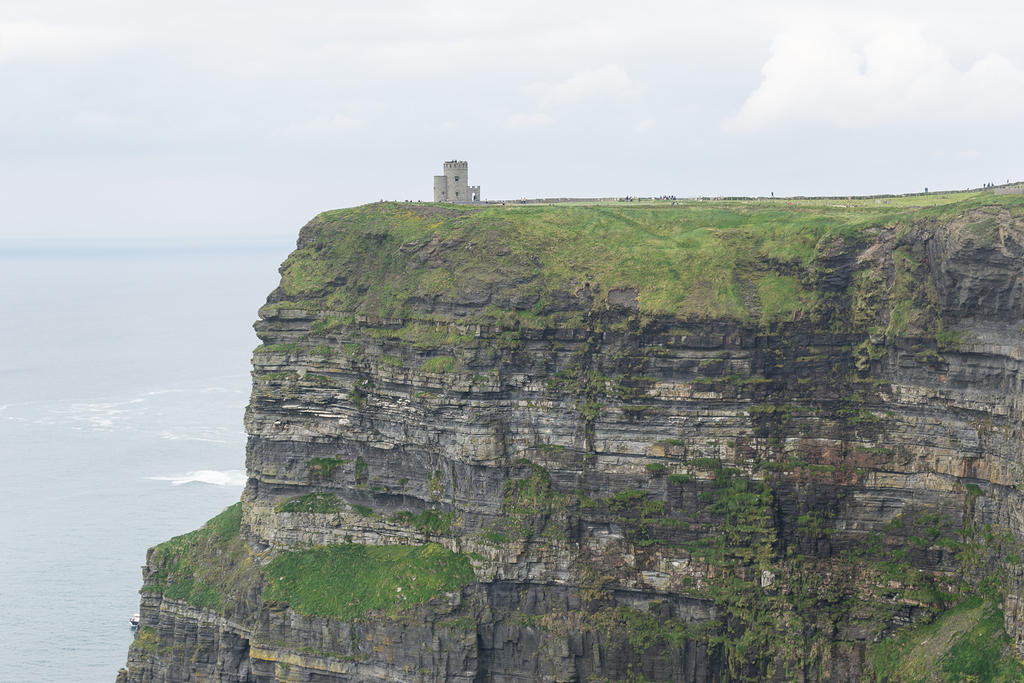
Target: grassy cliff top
{"x":746,"y":260}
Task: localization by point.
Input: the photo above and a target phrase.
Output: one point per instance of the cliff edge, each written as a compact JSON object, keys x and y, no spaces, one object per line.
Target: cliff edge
{"x":711,"y":441}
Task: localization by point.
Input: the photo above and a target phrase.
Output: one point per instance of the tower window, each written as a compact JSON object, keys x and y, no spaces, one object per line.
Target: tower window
{"x":456,"y":178}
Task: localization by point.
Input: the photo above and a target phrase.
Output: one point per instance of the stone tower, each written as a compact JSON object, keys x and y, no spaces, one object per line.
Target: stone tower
{"x":453,"y":186}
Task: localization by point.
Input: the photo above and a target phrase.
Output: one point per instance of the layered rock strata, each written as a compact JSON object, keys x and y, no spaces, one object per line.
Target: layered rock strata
{"x":827,"y":455}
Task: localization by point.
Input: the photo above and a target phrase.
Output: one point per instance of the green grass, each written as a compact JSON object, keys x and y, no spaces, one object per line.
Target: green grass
{"x":311,"y":502}
{"x":531,"y":504}
{"x":429,"y":521}
{"x":362,"y":510}
{"x":347,"y":581}
{"x":204,"y":567}
{"x":782,"y":297}
{"x":421,"y":335}
{"x":643,"y":629}
{"x":743,"y":259}
{"x":495,"y":538}
{"x":226,"y":525}
{"x":438,"y":365}
{"x":278,"y":348}
{"x":324,"y":466}
{"x":973,"y":489}
{"x":966,"y":643}
{"x":146,"y":639}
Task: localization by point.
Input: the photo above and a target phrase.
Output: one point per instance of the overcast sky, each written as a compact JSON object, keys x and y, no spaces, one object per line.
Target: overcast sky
{"x":228,"y":119}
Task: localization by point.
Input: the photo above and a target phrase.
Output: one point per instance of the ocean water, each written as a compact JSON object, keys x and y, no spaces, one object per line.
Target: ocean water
{"x":124,"y":373}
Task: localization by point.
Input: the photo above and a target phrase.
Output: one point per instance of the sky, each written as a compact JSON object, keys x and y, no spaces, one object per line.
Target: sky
{"x":228,"y":120}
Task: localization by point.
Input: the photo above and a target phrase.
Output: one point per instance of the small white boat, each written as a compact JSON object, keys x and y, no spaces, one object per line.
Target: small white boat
{"x":134,"y":621}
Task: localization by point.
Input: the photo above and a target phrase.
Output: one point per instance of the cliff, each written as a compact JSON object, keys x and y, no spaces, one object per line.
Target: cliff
{"x":706,"y":442}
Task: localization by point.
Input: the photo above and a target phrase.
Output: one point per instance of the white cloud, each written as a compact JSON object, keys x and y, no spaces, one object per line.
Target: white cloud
{"x":35,"y":40}
{"x":644,"y":125}
{"x":528,"y":120}
{"x":606,"y":83}
{"x":856,"y":76}
{"x":319,"y":127}
{"x":242,"y":90}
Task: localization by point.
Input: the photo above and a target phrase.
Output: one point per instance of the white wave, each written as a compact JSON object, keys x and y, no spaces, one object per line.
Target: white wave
{"x":214,"y":477}
{"x":172,"y":436}
{"x":100,"y":416}
{"x":193,"y":390}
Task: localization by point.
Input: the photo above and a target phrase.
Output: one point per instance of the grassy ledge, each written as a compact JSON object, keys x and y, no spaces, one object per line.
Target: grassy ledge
{"x":204,"y":567}
{"x":323,"y":503}
{"x":347,"y":581}
{"x":965,"y":643}
{"x":750,"y":260}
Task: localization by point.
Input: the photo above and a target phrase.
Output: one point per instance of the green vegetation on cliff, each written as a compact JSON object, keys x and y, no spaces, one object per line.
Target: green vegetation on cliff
{"x":311,"y":502}
{"x":211,"y":566}
{"x":347,"y":581}
{"x":750,"y":261}
{"x":966,"y":643}
{"x":205,"y":566}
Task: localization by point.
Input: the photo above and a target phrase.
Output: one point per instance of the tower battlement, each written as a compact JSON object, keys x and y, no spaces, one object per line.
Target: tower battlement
{"x":454,"y":185}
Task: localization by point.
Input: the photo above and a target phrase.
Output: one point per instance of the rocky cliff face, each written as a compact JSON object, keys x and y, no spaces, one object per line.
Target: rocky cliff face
{"x":618,"y":443}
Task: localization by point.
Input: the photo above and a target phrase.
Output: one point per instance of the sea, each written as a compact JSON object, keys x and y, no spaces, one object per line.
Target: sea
{"x":124,"y":375}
